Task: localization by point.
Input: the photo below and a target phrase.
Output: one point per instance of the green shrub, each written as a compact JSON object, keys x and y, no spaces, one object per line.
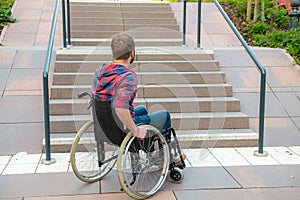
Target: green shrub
{"x":255,"y":28}
{"x":283,"y":39}
{"x":241,"y":5}
{"x":5,"y":11}
{"x":197,"y":0}
{"x":272,"y":32}
{"x":277,"y":19}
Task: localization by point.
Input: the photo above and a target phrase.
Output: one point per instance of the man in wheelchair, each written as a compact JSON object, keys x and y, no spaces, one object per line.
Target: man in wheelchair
{"x":114,"y":87}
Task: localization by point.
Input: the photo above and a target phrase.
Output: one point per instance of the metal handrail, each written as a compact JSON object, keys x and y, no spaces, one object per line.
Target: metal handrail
{"x":184,"y":23}
{"x":262,"y":82}
{"x":66,"y":24}
{"x":48,"y":159}
{"x":199,"y":24}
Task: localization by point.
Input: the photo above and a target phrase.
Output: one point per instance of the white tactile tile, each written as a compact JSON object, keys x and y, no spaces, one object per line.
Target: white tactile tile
{"x":24,"y":158}
{"x":20,"y":169}
{"x":295,"y":149}
{"x":59,"y":157}
{"x":248,"y":154}
{"x":2,"y":168}
{"x":186,"y":161}
{"x":62,"y":163}
{"x":201,"y":158}
{"x":56,"y":167}
{"x":229,"y":157}
{"x":4,"y":160}
{"x":23,"y":163}
{"x":283,"y":155}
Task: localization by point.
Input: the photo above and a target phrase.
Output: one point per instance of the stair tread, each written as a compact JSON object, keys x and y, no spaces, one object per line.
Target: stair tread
{"x":139,"y":61}
{"x":179,"y":99}
{"x":139,"y":50}
{"x":143,"y":73}
{"x":54,"y":118}
{"x":217,"y":134}
{"x":152,"y":86}
{"x":183,"y":135}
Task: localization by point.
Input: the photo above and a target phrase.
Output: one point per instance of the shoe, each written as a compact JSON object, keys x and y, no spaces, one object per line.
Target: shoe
{"x":177,"y":160}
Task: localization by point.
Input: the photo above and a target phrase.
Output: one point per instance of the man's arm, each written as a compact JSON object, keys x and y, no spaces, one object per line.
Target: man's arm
{"x":125,"y":117}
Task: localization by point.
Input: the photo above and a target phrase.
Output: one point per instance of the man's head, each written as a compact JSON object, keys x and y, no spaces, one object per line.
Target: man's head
{"x":122,"y":46}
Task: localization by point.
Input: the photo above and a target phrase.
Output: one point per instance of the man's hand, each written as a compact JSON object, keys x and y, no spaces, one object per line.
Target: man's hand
{"x":140,"y":133}
{"x":125,"y":117}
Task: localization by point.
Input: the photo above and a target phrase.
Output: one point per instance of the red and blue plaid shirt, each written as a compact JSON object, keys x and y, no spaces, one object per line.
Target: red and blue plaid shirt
{"x":117,"y":83}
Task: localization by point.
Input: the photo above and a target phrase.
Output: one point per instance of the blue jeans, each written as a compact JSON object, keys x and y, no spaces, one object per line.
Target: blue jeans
{"x":160,"y":119}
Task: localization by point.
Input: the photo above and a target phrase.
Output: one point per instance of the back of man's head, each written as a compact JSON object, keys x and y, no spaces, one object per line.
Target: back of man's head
{"x":121,"y":45}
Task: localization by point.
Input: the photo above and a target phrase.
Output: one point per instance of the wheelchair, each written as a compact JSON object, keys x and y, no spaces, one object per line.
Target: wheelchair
{"x":142,"y":165}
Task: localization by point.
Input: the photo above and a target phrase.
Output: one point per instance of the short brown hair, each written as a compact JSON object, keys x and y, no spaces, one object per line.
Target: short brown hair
{"x":121,"y":46}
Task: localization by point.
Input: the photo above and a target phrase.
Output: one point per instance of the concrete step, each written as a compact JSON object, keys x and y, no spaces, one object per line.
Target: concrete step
{"x":152,"y":91}
{"x":210,"y":120}
{"x":126,"y":21}
{"x":137,"y":34}
{"x":96,"y":7}
{"x":143,"y":66}
{"x":125,"y":15}
{"x":181,"y":121}
{"x":166,"y":53}
{"x":217,"y":138}
{"x":181,"y":77}
{"x":96,"y":21}
{"x":174,"y":105}
{"x":96,"y":14}
{"x":144,"y":4}
{"x":154,"y":14}
{"x":131,"y":8}
{"x":119,"y":3}
{"x":146,"y":8}
{"x":92,"y":34}
{"x":138,"y":42}
{"x":93,"y":3}
{"x":62,"y":142}
{"x":126,"y":27}
{"x":147,"y":78}
{"x":148,"y":21}
{"x":98,"y":27}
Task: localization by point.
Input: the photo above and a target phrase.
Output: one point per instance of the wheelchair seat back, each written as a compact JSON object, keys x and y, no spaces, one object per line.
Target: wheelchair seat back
{"x":107,"y":126}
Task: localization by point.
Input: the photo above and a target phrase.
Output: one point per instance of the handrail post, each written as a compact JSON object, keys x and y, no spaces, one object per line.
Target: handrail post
{"x":69,"y":23}
{"x":260,"y":151}
{"x":48,"y":160}
{"x":199,"y":25}
{"x":184,"y":23}
{"x":64,"y":23}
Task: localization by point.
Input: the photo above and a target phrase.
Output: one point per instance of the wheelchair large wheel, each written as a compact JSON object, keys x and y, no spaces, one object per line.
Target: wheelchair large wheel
{"x":86,"y":153}
{"x":143,"y":165}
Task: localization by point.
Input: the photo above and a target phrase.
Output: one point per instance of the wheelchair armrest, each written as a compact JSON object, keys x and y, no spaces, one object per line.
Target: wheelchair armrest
{"x":140,"y":124}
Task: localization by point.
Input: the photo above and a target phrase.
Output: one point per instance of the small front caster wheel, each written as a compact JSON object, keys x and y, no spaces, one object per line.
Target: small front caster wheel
{"x":176,"y":175}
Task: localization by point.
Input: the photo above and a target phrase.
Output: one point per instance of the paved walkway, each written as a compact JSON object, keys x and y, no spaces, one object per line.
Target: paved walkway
{"x":212,"y":173}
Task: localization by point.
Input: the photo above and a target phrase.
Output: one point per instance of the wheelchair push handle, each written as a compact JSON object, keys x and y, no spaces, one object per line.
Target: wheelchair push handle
{"x":83,"y":94}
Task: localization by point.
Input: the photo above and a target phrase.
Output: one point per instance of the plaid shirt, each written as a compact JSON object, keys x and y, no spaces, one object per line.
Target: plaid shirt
{"x":117,"y":83}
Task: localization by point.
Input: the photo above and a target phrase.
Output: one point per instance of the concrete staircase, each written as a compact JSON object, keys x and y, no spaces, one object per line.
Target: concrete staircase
{"x":183,"y":80}
{"x":150,"y":23}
